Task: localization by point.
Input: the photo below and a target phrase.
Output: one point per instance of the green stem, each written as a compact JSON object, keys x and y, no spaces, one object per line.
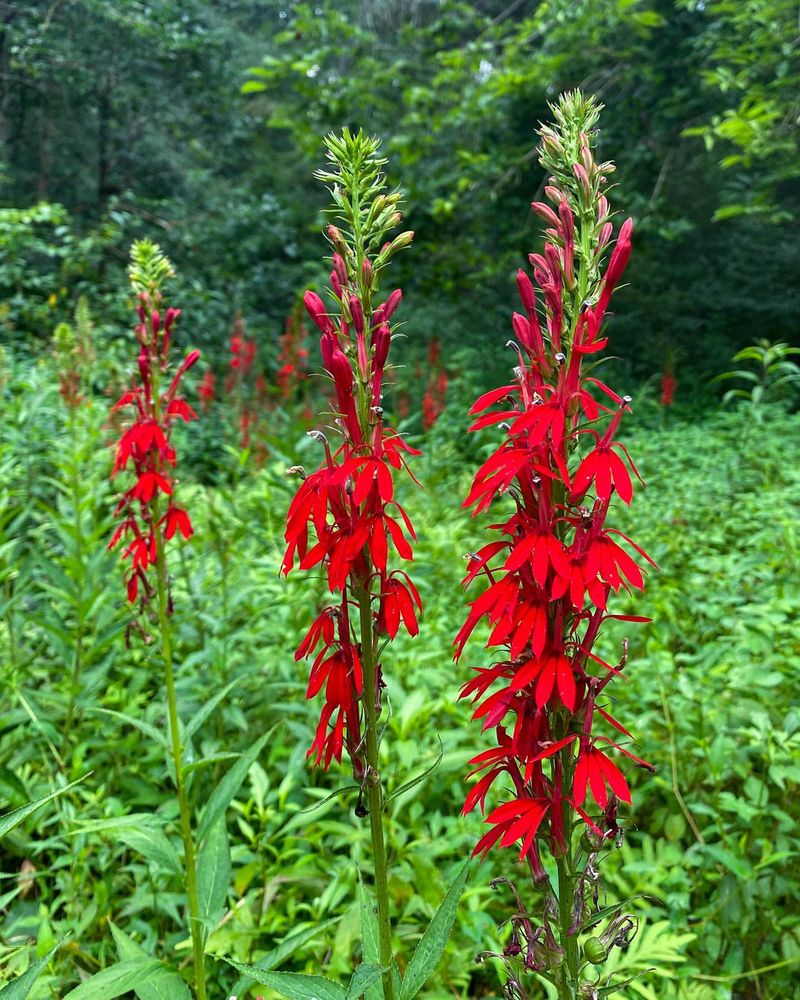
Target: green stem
{"x":77,"y":661}
{"x":568,"y":984}
{"x":177,"y":760}
{"x":374,"y":791}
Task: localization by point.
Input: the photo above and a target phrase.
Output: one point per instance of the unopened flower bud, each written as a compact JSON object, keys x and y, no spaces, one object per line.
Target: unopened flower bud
{"x":401,"y":241}
{"x":191,"y":359}
{"x":546,"y":213}
{"x":381,"y":340}
{"x":583,"y":179}
{"x":357,"y":314}
{"x":340,"y":267}
{"x":335,"y":236}
{"x":367,"y":272}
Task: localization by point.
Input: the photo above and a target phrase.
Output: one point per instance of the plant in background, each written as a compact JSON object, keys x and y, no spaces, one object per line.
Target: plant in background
{"x":292,"y":356}
{"x":436,"y":390}
{"x":237,"y":383}
{"x":669,"y":383}
{"x":550,"y":576}
{"x":772,"y":377}
{"x":149,"y":517}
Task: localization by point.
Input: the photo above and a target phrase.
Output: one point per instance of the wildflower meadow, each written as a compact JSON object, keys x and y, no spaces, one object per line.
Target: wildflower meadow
{"x":400,"y":553}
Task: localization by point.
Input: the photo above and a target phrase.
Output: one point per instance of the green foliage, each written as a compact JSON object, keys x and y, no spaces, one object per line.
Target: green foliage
{"x":750,"y":57}
{"x":711,"y":848}
{"x":772,"y":377}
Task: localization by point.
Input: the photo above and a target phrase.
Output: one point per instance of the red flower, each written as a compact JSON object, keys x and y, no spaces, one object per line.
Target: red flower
{"x":344,"y":516}
{"x":144,"y":449}
{"x":548,"y":577}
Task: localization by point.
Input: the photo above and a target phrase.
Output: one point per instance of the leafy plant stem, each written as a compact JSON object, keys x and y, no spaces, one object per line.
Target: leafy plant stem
{"x":78,"y":654}
{"x":375,"y":791}
{"x":673,"y":756}
{"x":566,"y":893}
{"x":190,"y":866}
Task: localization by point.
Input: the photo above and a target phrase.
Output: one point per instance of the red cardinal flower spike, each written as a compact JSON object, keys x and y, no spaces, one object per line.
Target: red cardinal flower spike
{"x":346,"y":518}
{"x":149,"y":515}
{"x":560,"y":471}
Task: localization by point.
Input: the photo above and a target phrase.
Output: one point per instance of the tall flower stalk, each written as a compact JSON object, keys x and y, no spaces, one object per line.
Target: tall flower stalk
{"x":344,"y":516}
{"x":550,"y":576}
{"x":149,"y":518}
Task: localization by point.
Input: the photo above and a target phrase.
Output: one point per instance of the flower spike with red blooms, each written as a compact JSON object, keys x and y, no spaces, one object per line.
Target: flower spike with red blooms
{"x":150,"y":518}
{"x":345,"y":518}
{"x":551,"y":573}
{"x":149,"y":515}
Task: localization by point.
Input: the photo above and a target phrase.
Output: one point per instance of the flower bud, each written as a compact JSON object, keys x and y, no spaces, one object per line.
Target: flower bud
{"x":401,"y":241}
{"x":381,"y":340}
{"x":567,"y":223}
{"x":189,"y":361}
{"x":340,"y":370}
{"x":335,"y":236}
{"x":392,"y":302}
{"x":340,"y":268}
{"x":526,"y":292}
{"x":583,"y":179}
{"x":546,"y":213}
{"x":357,"y":314}
{"x":367,"y":272}
{"x":316,"y":310}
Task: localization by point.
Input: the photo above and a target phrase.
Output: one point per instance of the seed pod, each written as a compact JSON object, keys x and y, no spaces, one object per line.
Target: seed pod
{"x":595,"y":951}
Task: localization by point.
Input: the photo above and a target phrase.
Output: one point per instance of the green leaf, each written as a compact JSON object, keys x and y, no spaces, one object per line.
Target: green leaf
{"x":203,"y":713}
{"x":370,"y":938}
{"x":213,"y":873}
{"x":12,"y":819}
{"x":144,"y":727}
{"x":22,"y":985}
{"x":365,"y":976}
{"x":153,"y":844}
{"x":293,"y":985}
{"x":229,"y":785}
{"x":119,"y":979}
{"x":286,"y":948}
{"x":431,"y":945}
{"x":169,"y":987}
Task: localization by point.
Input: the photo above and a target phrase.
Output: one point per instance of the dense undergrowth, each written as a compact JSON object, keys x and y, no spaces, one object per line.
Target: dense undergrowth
{"x":708,"y":854}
